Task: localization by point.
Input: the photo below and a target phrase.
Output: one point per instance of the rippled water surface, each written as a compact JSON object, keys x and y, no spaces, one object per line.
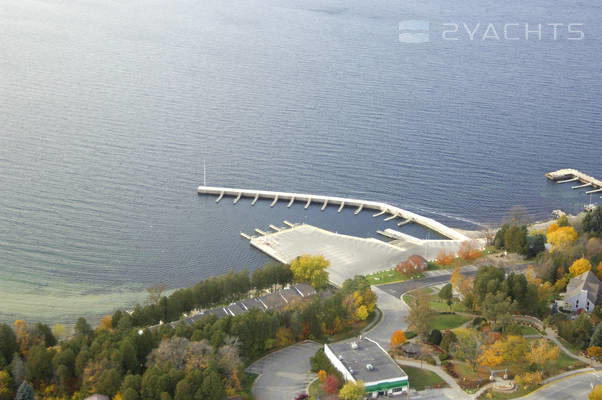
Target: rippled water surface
{"x":109,"y":108}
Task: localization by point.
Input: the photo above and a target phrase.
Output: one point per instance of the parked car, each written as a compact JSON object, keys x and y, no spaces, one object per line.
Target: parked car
{"x":302,"y":396}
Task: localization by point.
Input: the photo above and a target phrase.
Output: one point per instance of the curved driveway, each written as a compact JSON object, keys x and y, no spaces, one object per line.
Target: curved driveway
{"x":284,"y":373}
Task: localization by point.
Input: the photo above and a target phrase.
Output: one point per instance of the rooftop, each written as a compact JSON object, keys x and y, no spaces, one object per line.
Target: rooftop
{"x":366,"y":353}
{"x":586,"y":281}
{"x":273,"y":300}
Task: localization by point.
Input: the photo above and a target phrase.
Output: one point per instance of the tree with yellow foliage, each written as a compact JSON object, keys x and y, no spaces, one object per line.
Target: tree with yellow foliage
{"x":361,"y":313}
{"x":492,"y":355}
{"x":311,"y":269}
{"x":580,"y":266}
{"x":596,"y":393}
{"x":23,"y":336}
{"x":561,"y":237}
{"x":599,"y":270}
{"x":398,"y":338}
{"x":529,"y":379}
{"x":594,"y":352}
{"x":542,"y":351}
{"x":532,"y":276}
{"x":514,"y":349}
{"x":353,"y":391}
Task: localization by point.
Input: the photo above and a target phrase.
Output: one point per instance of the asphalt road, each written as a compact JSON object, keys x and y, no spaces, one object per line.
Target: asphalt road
{"x":285,"y":373}
{"x":572,"y":388}
{"x":399,"y":288}
{"x":394,"y":313}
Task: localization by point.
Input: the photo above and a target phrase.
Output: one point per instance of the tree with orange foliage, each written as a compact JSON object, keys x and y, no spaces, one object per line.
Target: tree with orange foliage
{"x":322,"y":375}
{"x":580,"y":266}
{"x":398,"y":338}
{"x":469,"y":250}
{"x":105,"y":323}
{"x":456,"y":278}
{"x":445,"y":258}
{"x":599,"y":270}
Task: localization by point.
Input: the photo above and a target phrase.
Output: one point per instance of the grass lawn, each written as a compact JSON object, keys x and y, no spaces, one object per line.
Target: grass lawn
{"x":389,"y":276}
{"x":441,"y":306}
{"x":421,"y":379}
{"x":528,"y":330}
{"x":464,"y":371}
{"x":562,"y":362}
{"x":448,"y":321}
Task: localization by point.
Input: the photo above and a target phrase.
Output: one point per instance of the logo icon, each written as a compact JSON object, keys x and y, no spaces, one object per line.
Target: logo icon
{"x":414,"y":31}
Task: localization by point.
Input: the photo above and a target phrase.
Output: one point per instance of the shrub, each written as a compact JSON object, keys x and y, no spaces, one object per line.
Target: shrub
{"x":443,"y":356}
{"x":435,"y":337}
{"x":478,"y":321}
{"x":447,"y":340}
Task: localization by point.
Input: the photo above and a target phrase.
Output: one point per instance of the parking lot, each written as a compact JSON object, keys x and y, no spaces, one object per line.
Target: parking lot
{"x":285,"y":373}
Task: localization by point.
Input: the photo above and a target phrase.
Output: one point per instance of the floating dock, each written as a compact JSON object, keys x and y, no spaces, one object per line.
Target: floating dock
{"x":389,"y":218}
{"x":402,"y":223}
{"x":378,"y":214}
{"x":341,"y":207}
{"x":324,"y":205}
{"x":255,"y":199}
{"x":290,"y":203}
{"x":360,"y":204}
{"x":572,"y":175}
{"x":237,"y":198}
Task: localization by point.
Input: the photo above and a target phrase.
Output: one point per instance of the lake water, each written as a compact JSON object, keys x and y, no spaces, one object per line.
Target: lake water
{"x":108,"y":110}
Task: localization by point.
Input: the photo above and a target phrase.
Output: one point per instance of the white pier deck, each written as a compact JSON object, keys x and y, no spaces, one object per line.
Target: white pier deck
{"x":360,"y":204}
{"x":572,"y":175}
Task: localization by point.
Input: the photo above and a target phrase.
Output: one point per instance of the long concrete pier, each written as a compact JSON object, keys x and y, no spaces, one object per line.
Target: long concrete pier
{"x":572,"y":175}
{"x":360,"y":204}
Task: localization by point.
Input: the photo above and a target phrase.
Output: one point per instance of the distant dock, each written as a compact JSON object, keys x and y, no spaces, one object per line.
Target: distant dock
{"x":359,"y":205}
{"x":572,"y":175}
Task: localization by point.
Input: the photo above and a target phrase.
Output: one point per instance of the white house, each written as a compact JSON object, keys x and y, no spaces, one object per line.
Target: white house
{"x":583,"y":291}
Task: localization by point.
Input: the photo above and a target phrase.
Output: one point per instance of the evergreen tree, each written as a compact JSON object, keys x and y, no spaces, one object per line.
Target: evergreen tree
{"x":596,"y":339}
{"x":8,"y":343}
{"x":25,"y":392}
{"x":212,"y":387}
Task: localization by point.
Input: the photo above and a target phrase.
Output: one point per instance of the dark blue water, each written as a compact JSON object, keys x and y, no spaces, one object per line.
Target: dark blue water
{"x":108,"y":110}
